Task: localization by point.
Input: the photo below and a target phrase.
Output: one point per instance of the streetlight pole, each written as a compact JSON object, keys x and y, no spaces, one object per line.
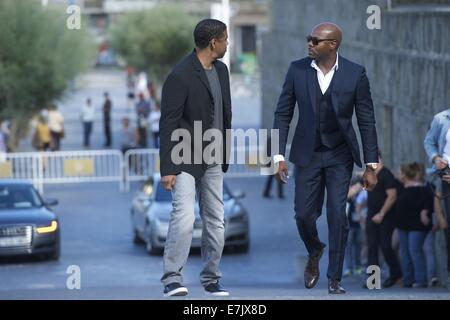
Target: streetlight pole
{"x":221,"y":11}
{"x":226,"y":20}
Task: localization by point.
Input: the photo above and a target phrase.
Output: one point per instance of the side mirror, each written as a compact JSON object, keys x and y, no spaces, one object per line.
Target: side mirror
{"x":239,"y":194}
{"x":51,"y":202}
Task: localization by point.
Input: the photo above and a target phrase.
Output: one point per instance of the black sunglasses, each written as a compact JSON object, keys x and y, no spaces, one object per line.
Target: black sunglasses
{"x":315,"y":41}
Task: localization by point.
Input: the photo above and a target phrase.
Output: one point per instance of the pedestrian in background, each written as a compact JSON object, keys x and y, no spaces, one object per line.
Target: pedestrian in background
{"x":271,"y":178}
{"x":437,"y":147}
{"x":142,"y":112}
{"x":414,"y":212}
{"x":131,"y":83}
{"x":155,"y":116}
{"x":381,"y":222}
{"x":107,"y":106}
{"x":268,"y":187}
{"x":42,"y":136}
{"x":87,"y":117}
{"x":4,"y":135}
{"x":357,"y":201}
{"x":439,"y":231}
{"x":56,"y":125}
{"x":3,"y":148}
{"x":128,"y":135}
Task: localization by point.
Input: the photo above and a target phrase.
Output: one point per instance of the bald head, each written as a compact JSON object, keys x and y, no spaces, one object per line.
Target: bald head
{"x":328,"y":30}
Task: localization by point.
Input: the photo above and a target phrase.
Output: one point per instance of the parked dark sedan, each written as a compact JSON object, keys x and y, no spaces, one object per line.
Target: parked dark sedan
{"x":27,"y":225}
{"x":150,"y":215}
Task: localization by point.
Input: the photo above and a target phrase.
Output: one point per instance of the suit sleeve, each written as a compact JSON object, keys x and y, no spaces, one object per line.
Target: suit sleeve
{"x":366,"y":119}
{"x":285,"y":110}
{"x":174,"y":94}
{"x":431,"y":140}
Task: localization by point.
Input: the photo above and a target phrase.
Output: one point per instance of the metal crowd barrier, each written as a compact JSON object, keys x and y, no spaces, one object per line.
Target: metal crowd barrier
{"x":64,"y":167}
{"x":107,"y":166}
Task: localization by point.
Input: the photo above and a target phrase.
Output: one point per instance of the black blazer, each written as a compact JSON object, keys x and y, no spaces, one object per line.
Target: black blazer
{"x":187,"y":97}
{"x":351,"y":91}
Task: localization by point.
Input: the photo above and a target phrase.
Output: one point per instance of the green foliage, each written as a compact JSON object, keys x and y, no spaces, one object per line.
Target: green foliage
{"x":38,"y":56}
{"x":154,"y":40}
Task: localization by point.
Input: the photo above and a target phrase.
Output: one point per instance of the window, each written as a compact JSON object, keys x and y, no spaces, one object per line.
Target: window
{"x":248,"y":39}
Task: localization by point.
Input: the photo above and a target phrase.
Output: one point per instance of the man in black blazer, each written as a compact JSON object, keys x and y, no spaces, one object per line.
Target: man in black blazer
{"x":195,"y":99}
{"x":327,"y":88}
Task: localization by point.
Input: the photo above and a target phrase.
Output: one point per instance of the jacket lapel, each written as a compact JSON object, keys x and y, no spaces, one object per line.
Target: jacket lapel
{"x":311,"y":75}
{"x":201,"y":73}
{"x":338,"y":79}
{"x":222,"y":79}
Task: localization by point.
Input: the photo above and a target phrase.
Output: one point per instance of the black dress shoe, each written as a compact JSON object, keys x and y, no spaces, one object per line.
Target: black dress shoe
{"x":334,"y":287}
{"x":312,"y":272}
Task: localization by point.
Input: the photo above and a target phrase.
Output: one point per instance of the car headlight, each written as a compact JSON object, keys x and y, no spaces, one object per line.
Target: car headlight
{"x":236,"y":210}
{"x":51,"y":228}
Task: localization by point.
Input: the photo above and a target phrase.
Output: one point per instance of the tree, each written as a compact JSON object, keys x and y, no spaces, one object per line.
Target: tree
{"x":38,"y":57}
{"x":154,"y":40}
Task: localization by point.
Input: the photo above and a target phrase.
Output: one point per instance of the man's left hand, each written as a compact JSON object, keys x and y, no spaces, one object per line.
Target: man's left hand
{"x":370,"y":179}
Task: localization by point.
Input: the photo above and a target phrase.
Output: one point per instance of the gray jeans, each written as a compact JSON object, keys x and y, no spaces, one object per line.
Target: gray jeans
{"x":209,"y":190}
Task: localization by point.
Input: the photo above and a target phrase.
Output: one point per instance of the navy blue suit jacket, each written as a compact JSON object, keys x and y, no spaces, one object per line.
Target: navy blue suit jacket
{"x":351,"y":92}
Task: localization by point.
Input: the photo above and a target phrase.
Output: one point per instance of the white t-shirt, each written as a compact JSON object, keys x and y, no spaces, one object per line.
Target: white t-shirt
{"x":87,"y":113}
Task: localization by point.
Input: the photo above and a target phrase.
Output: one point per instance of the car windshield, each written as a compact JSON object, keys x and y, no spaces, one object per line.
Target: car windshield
{"x":19,"y":197}
{"x":163,"y":195}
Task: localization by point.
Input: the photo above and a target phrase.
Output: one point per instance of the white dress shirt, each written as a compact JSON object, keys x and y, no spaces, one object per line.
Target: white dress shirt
{"x":325,"y":79}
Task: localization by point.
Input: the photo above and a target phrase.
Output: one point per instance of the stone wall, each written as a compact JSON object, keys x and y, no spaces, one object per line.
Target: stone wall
{"x":407,"y":62}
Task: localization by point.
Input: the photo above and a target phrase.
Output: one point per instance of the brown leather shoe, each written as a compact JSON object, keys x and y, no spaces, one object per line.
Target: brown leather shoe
{"x":312,"y":272}
{"x":334,"y":287}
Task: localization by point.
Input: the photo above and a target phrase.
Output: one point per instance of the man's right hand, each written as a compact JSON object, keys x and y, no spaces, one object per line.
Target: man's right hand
{"x":282,"y":173}
{"x":440,"y":163}
{"x":168,"y":182}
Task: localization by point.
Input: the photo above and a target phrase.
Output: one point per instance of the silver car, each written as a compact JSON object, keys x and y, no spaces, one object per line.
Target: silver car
{"x":150,"y":215}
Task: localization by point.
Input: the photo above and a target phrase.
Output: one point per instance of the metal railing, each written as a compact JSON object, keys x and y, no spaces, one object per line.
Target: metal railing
{"x":64,"y":167}
{"x":139,"y":164}
{"x":107,"y":166}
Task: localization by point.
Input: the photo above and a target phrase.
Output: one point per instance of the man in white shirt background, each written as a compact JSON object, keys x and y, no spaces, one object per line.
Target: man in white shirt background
{"x":87,"y":117}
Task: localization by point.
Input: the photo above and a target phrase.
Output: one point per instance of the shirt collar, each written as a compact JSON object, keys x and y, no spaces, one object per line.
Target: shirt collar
{"x":335,"y":67}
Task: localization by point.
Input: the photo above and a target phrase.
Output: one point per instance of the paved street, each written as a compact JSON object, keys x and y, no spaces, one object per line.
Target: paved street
{"x":96,"y":236}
